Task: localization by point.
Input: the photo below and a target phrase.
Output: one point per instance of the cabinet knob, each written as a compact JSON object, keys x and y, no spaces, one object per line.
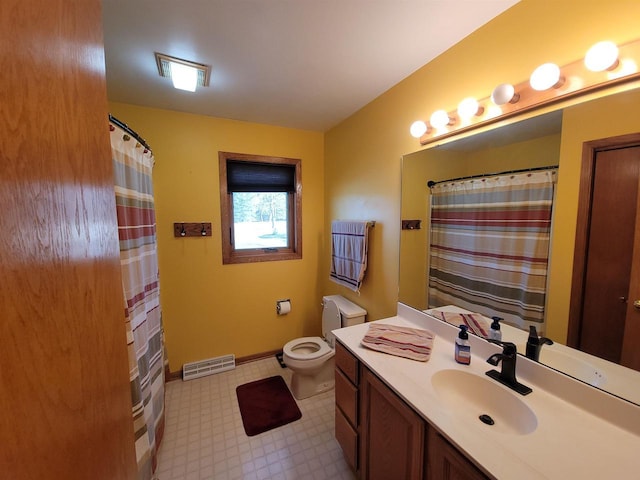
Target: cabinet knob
{"x":636,"y":304}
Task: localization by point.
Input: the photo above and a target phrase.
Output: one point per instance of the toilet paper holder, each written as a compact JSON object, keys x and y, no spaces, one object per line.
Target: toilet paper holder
{"x":283,"y":306}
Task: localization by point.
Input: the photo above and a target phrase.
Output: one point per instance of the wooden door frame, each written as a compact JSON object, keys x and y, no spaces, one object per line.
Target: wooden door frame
{"x":587,"y":173}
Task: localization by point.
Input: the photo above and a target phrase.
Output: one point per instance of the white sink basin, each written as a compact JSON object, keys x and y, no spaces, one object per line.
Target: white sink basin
{"x":569,"y":364}
{"x":469,"y":396}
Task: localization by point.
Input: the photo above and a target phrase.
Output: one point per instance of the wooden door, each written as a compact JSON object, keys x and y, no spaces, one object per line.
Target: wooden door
{"x":392,"y":434}
{"x":630,"y":352}
{"x":65,"y":399}
{"x":602,"y":313}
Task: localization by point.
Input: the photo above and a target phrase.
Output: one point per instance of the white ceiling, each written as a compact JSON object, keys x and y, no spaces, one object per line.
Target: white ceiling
{"x":305,"y":64}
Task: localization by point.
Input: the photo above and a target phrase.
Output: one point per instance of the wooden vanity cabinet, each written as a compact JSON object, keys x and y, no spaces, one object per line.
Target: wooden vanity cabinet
{"x":382,"y":437}
{"x":346,"y":389}
{"x":391,"y":433}
{"x":445,"y":462}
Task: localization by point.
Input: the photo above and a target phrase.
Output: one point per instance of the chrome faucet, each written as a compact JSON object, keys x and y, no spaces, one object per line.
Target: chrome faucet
{"x":507,"y":376}
{"x":535,"y":343}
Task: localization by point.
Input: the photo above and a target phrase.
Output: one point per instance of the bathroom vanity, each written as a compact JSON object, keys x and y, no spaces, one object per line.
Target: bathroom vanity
{"x":388,"y":439}
{"x":400,"y":418}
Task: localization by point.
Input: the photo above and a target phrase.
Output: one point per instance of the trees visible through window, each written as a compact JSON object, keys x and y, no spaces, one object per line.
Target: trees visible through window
{"x":260,"y":201}
{"x":260,"y":220}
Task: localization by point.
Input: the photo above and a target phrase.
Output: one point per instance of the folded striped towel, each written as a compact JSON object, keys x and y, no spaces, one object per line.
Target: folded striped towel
{"x":477,"y":323}
{"x":404,"y":342}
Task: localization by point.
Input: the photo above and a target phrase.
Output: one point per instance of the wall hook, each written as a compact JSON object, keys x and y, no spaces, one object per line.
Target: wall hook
{"x":192,"y":229}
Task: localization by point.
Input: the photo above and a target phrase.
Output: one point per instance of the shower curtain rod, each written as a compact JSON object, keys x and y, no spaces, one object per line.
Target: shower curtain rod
{"x":431,"y":183}
{"x":131,"y":132}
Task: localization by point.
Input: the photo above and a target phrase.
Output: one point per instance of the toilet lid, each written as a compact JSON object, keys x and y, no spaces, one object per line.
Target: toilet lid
{"x":299,"y":349}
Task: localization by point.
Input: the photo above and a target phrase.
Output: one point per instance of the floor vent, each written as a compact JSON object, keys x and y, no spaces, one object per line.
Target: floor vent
{"x":208,"y":367}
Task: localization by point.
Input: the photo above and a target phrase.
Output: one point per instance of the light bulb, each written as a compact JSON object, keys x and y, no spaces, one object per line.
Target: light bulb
{"x":184,"y":77}
{"x":602,"y":56}
{"x":469,"y":107}
{"x":440,"y":119}
{"x":504,"y":93}
{"x":418,"y":128}
{"x":545,"y":77}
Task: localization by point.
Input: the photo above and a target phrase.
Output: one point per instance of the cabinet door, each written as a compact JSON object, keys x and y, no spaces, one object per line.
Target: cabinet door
{"x":347,"y":398}
{"x":346,"y":362}
{"x":445,"y":462}
{"x":347,"y":437}
{"x":392,"y":434}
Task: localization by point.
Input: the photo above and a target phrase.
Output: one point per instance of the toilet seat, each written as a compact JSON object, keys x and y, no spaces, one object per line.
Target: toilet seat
{"x":311,"y":359}
{"x":307,"y":348}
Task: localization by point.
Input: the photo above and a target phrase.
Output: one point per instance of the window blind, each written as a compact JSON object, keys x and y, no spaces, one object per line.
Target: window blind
{"x":260,"y":177}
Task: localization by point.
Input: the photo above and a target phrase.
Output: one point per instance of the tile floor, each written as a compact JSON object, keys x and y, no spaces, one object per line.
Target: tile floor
{"x":204,"y":437}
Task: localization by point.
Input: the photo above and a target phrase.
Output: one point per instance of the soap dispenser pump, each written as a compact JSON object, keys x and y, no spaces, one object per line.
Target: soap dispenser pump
{"x":494,"y":330}
{"x":463,"y":348}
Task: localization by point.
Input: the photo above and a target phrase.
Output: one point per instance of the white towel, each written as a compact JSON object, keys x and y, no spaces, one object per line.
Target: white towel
{"x":413,"y":343}
{"x":349,"y":246}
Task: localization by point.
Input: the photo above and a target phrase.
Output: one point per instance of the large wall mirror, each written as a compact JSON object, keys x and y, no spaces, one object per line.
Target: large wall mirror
{"x":553,"y":138}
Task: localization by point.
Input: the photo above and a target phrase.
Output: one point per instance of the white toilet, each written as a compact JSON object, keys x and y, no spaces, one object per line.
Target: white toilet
{"x":311,"y":358}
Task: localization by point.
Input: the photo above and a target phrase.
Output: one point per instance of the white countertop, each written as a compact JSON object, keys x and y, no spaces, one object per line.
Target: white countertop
{"x":582,"y":432}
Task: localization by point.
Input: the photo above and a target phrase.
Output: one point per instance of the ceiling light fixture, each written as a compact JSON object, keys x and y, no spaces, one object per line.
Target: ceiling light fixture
{"x":186,"y":75}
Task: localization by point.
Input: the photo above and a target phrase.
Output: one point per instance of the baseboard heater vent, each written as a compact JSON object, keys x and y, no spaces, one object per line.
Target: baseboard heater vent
{"x":208,"y":367}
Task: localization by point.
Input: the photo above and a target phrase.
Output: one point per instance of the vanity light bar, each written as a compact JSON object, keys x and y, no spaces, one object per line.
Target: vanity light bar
{"x":556,"y":84}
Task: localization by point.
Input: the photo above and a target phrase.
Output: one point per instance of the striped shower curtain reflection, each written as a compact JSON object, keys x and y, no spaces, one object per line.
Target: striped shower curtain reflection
{"x":133,"y":165}
{"x":489,"y":247}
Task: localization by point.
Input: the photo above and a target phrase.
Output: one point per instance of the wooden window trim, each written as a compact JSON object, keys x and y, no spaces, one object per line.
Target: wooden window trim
{"x":231,"y":255}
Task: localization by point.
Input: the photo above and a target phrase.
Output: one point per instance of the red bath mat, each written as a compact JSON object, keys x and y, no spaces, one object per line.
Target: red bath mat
{"x":266,"y":404}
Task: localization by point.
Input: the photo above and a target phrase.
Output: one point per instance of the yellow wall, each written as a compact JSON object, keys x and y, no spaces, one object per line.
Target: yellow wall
{"x":417,"y":170}
{"x":211,"y":309}
{"x":362,"y":154}
{"x":539,"y":152}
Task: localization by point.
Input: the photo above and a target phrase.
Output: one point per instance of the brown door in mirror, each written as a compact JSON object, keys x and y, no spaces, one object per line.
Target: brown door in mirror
{"x":630,"y":351}
{"x":607,"y":324}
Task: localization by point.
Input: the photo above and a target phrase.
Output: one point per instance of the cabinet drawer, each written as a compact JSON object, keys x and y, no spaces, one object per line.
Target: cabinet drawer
{"x":347,"y":363}
{"x":347,"y":437}
{"x":347,"y":398}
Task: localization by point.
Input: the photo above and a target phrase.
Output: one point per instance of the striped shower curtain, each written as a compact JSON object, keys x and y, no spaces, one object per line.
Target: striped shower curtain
{"x":133,"y":165}
{"x":489,"y":247}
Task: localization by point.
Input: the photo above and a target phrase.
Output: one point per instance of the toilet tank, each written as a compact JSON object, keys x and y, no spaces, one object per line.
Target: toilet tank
{"x":350,"y":313}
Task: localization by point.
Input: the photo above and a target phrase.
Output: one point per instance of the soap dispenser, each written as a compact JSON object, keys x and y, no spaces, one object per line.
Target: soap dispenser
{"x":463,"y":348}
{"x":494,"y":330}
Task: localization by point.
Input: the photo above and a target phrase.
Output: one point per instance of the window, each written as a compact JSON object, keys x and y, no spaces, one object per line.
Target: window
{"x":261,"y":208}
